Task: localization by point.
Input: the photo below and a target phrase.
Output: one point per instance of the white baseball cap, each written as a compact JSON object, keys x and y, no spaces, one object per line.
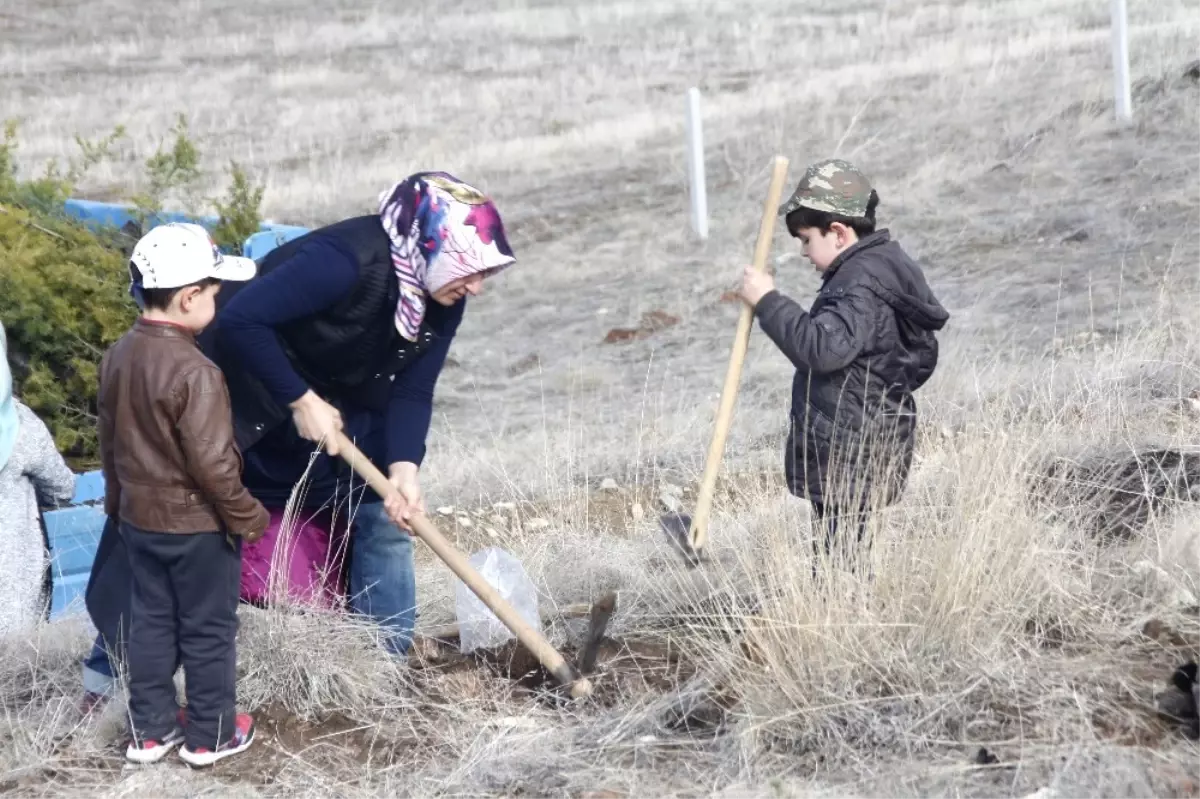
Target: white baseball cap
{"x":180,"y":254}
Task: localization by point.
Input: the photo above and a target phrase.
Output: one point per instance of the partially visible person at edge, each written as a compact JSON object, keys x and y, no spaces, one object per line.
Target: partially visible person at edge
{"x":33,"y":475}
{"x":347,"y":328}
{"x":344,"y":328}
{"x":860,"y":351}
{"x":172,"y":480}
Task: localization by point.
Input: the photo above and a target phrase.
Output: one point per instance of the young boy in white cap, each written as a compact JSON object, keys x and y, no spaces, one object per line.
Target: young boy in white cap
{"x":173,"y":481}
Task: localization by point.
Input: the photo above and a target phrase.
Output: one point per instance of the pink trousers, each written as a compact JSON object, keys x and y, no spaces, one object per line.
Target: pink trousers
{"x":303,"y":565}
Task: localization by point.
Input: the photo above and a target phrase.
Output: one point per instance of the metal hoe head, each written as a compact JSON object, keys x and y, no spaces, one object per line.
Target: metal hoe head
{"x":568,"y":683}
{"x":678,"y":528}
{"x":602,"y":613}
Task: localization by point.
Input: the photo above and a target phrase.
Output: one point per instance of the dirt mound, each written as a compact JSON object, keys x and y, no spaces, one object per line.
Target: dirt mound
{"x":1116,"y":496}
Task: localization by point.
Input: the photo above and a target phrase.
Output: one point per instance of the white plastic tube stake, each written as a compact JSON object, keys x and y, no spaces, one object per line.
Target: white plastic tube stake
{"x":1122,"y":97}
{"x":695,"y":144}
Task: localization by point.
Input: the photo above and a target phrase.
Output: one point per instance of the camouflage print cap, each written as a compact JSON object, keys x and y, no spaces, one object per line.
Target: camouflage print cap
{"x":833,"y":186}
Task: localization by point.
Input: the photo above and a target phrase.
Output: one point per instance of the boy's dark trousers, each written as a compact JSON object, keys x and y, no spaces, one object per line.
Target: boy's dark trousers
{"x":832,"y":526}
{"x":185,"y":598}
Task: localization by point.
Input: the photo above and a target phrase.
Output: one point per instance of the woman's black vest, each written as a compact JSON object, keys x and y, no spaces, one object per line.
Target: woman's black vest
{"x":347,"y":353}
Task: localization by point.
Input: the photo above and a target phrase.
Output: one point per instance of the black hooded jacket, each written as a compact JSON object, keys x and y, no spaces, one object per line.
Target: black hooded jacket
{"x":862,"y":349}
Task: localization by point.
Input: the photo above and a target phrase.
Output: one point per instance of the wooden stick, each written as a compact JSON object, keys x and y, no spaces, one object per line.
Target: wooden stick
{"x":458,"y":563}
{"x":741,"y":340}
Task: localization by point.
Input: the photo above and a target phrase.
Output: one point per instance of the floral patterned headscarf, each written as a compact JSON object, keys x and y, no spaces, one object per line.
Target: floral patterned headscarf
{"x":441,"y":230}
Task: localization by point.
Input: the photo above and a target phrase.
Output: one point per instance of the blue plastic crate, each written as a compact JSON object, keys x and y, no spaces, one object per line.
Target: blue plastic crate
{"x":89,"y":488}
{"x":96,"y":215}
{"x":74,"y":534}
{"x":261,"y":243}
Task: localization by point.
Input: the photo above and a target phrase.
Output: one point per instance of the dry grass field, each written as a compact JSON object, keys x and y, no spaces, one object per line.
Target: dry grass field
{"x":1066,"y":247}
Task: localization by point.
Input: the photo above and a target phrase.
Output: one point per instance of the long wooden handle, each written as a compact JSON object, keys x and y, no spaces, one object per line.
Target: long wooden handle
{"x":458,"y":563}
{"x":741,"y":340}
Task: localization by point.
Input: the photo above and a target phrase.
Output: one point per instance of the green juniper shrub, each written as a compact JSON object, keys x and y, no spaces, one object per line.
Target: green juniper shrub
{"x":64,"y":288}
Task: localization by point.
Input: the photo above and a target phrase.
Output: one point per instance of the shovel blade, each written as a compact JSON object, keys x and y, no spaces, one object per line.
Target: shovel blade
{"x":602,"y":613}
{"x":678,"y":527}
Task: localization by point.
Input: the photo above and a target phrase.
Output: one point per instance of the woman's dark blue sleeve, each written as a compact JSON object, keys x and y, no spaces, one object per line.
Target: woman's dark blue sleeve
{"x":319,"y":275}
{"x":411,"y":408}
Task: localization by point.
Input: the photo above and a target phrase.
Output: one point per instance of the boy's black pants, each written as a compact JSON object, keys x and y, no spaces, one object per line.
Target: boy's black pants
{"x":832,"y":527}
{"x":184,"y":603}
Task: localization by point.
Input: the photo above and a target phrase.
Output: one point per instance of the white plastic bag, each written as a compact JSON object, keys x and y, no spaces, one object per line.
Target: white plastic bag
{"x":478,"y":626}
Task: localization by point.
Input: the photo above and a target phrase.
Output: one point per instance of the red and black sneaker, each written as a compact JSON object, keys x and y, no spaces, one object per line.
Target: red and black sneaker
{"x":243,"y":736}
{"x":152,"y":751}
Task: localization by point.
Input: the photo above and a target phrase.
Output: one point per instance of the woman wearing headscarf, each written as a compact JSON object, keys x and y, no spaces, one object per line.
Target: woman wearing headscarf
{"x":32,"y":476}
{"x":347,"y":328}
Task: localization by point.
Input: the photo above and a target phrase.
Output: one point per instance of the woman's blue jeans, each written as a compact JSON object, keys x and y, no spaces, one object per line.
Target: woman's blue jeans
{"x":382,"y":584}
{"x":97,"y":670}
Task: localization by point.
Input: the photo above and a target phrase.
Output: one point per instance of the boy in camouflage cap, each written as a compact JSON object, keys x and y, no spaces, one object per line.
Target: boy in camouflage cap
{"x":860,"y":351}
{"x":835,"y":187}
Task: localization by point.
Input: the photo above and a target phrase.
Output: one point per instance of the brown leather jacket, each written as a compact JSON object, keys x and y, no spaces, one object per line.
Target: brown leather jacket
{"x":166,"y":438}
